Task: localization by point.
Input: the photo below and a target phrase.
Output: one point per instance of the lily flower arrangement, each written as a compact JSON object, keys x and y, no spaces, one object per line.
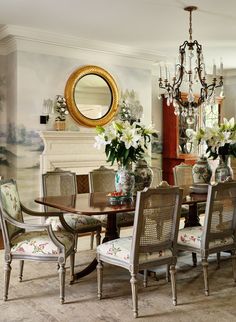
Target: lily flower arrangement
{"x":220,"y":139}
{"x":124,"y":142}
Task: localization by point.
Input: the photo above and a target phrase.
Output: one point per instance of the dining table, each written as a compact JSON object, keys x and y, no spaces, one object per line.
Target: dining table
{"x":91,"y":204}
{"x":98,"y":203}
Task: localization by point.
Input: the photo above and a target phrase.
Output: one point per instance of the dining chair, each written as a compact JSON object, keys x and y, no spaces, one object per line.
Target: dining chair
{"x":157,"y":176}
{"x":103,"y":180}
{"x":62,"y":183}
{"x":183,"y":177}
{"x":153,"y":241}
{"x":35,"y":242}
{"x":219,"y":230}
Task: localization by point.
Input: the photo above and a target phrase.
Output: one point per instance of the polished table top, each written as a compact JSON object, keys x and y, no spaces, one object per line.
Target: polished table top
{"x":86,"y":203}
{"x":97,"y":203}
{"x":194,"y":198}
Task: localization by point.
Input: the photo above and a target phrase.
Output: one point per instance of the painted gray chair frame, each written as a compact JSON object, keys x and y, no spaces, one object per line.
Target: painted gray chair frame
{"x":103,"y":180}
{"x":8,"y":221}
{"x":219,"y":224}
{"x":155,"y":207}
{"x":68,"y":186}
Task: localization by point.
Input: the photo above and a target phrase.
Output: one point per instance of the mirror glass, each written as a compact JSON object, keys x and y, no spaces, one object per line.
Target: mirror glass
{"x":93,"y":96}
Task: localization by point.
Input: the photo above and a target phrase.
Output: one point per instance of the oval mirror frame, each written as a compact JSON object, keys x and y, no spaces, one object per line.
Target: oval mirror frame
{"x":71,"y":104}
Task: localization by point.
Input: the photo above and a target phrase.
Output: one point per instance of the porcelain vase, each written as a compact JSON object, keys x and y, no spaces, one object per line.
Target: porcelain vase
{"x":223,"y":170}
{"x":143,"y":175}
{"x":202,"y":171}
{"x":124,"y":180}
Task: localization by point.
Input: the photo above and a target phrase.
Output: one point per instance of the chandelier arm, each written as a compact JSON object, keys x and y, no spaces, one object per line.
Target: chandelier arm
{"x":190,"y":52}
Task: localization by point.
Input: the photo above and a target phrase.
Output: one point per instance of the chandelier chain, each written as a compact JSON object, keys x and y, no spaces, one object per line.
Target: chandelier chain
{"x":190,"y":26}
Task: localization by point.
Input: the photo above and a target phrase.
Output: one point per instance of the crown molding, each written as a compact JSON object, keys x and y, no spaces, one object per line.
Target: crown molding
{"x":41,"y":41}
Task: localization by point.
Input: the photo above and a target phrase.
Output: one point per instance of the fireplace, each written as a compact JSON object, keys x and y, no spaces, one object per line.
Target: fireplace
{"x":71,"y":150}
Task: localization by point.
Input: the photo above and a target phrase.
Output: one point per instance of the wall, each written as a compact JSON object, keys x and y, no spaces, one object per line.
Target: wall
{"x":33,"y":77}
{"x":229,"y":105}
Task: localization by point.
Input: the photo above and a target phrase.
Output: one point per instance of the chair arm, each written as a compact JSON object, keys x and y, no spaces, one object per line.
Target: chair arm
{"x":48,"y":214}
{"x":47,"y":227}
{"x":23,"y":224}
{"x":40,"y":213}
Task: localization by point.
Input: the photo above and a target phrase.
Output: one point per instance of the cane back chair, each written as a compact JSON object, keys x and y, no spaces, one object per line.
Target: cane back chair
{"x":103,"y":180}
{"x":219,"y":230}
{"x":24,"y":241}
{"x":183,"y":178}
{"x":62,"y":183}
{"x":153,"y":241}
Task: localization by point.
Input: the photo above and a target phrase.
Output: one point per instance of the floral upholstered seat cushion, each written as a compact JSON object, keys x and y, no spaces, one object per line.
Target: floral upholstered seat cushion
{"x":39,"y":244}
{"x":127,"y":217}
{"x":121,"y":218}
{"x":119,"y":249}
{"x":192,"y":236}
{"x":74,"y":221}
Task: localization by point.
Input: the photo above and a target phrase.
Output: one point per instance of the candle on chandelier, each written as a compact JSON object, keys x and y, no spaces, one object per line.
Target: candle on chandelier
{"x":166,"y":71}
{"x":214,"y":70}
{"x":160,"y":72}
{"x":221,"y":67}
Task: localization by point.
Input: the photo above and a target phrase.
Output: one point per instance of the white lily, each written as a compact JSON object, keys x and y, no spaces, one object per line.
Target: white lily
{"x":130,"y":137}
{"x":99,"y":141}
{"x":230,"y":123}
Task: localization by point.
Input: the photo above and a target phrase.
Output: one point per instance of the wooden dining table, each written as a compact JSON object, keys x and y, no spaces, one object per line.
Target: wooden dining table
{"x":90,"y":204}
{"x":97,"y":203}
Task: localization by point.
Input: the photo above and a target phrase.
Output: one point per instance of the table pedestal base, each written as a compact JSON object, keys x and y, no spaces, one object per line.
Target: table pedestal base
{"x":193,"y":220}
{"x":110,"y":234}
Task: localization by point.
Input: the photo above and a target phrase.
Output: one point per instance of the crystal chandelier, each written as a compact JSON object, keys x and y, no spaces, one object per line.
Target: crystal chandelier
{"x":190,"y":74}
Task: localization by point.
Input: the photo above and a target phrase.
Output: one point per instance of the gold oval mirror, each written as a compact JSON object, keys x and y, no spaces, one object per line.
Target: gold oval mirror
{"x":92,"y":96}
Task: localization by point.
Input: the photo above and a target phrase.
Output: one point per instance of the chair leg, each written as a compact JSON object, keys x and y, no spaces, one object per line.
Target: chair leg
{"x":91,"y":240}
{"x":7,"y":274}
{"x":205,"y":275}
{"x":167,"y":273}
{"x":234,"y":265}
{"x":98,"y":236}
{"x":99,"y":278}
{"x":133,"y":282}
{"x":145,"y":275}
{"x":72,"y":267}
{"x":62,"y":275}
{"x":218,"y":260}
{"x":173,"y":283}
{"x":21,"y":270}
{"x":76,"y":242}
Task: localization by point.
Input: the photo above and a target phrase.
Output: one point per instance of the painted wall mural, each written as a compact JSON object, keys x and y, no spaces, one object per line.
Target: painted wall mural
{"x":33,"y":78}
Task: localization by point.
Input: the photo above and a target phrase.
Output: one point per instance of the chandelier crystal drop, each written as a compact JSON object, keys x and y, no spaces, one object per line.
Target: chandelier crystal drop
{"x":190,"y":76}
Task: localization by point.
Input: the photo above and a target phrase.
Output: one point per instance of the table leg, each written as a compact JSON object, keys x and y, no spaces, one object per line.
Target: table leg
{"x":111,"y":233}
{"x":192,"y":218}
{"x":111,"y":228}
{"x":191,"y":221}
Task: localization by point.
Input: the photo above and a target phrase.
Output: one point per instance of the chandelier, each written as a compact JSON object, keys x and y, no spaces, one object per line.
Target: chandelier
{"x":190,"y":76}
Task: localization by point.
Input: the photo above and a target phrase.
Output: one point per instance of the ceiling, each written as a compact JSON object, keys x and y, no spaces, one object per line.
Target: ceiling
{"x":152,"y":26}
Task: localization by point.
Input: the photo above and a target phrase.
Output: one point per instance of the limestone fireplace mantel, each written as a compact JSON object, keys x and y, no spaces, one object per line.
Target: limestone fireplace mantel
{"x":70,"y":150}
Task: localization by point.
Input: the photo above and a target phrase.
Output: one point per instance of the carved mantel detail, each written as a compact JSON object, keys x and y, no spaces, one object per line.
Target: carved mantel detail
{"x":70,"y":150}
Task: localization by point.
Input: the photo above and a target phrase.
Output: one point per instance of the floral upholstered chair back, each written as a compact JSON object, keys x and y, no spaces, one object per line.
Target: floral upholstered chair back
{"x":102,"y":180}
{"x":10,"y":206}
{"x":220,"y":222}
{"x":156,"y":224}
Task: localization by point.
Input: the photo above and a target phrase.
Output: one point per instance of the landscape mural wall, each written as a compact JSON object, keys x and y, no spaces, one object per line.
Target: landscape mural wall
{"x":26,"y":80}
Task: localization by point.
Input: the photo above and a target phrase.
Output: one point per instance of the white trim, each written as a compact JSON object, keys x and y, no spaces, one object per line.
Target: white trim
{"x":40,"y":41}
